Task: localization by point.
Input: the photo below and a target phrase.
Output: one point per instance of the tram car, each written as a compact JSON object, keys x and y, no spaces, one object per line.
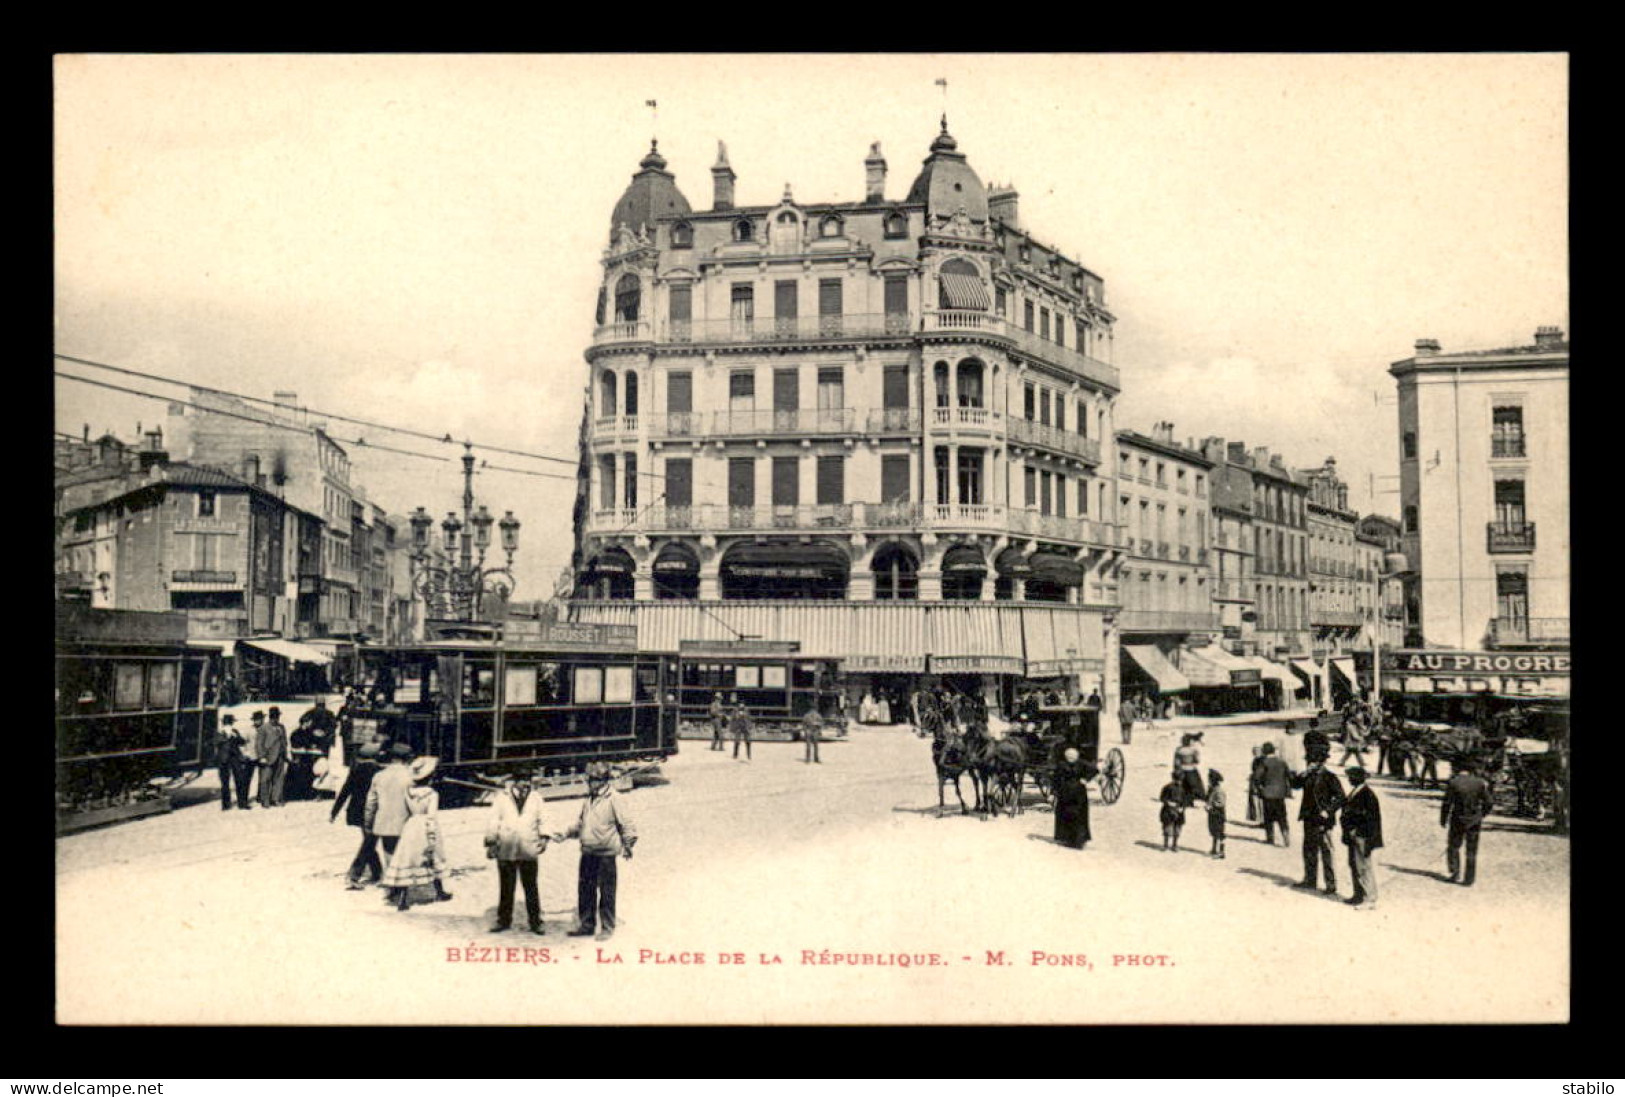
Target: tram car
{"x":546,"y":705}
{"x":777,"y":685}
{"x":134,"y":715}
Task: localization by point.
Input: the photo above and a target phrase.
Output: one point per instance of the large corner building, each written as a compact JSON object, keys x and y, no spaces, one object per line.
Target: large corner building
{"x":871,"y":426}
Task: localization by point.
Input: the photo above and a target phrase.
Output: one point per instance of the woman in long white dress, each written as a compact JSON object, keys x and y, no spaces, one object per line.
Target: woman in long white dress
{"x":420,"y":855}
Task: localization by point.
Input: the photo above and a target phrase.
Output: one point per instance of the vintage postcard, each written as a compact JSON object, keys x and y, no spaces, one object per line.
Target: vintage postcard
{"x":775,"y":539}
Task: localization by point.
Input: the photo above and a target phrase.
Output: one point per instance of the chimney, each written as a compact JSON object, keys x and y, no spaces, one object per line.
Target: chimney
{"x":874,"y":175}
{"x":722,"y":180}
{"x":1001,"y":205}
{"x":152,"y":449}
{"x":1548,"y":337}
{"x":87,"y":432}
{"x":1237,"y":453}
{"x":1425,"y":347}
{"x":1261,"y":456}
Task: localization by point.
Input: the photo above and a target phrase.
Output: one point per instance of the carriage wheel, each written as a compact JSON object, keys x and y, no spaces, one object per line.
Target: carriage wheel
{"x":1111,"y":776}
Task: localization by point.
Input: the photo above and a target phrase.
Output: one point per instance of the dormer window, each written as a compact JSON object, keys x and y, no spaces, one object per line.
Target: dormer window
{"x":896,"y":226}
{"x":830,"y":227}
{"x":1026,"y":253}
{"x":743,"y":232}
{"x":682,"y":235}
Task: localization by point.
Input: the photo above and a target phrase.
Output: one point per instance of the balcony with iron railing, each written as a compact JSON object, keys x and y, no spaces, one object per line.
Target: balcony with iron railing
{"x":1057,"y":527}
{"x":893,"y":420}
{"x":1511,"y":536}
{"x":614,"y":426}
{"x":1146,"y":546}
{"x":1163,"y":551}
{"x":786,"y":329}
{"x":1507,"y":445}
{"x":1166,"y":620}
{"x":1335,"y":618}
{"x":1050,"y":437}
{"x":1529,"y":630}
{"x":1036,"y":346}
{"x":1232,"y":590}
{"x":677,"y":424}
{"x":759,"y":422}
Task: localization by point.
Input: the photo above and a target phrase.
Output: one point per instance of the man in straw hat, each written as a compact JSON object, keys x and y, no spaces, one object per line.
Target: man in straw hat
{"x":606,"y":832}
{"x":1322,"y":799}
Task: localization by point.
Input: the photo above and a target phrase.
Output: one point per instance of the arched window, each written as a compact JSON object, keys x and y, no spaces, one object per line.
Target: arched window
{"x":963,"y":572}
{"x":830,"y":226}
{"x":896,"y":225}
{"x":969,"y":388}
{"x":959,"y":286}
{"x":607,"y":405}
{"x":786,"y":232}
{"x":743,"y":232}
{"x":609,"y":576}
{"x":630,"y":393}
{"x":896,"y":574}
{"x":682,"y":235}
{"x":628,"y":296}
{"x":939,"y":374}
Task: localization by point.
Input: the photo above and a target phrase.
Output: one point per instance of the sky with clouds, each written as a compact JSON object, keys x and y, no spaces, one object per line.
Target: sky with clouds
{"x":415,"y":239}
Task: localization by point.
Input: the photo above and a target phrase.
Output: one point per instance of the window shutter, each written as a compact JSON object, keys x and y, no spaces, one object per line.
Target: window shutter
{"x":680,"y":392}
{"x":741,"y":481}
{"x":894,"y":479}
{"x":630,"y":461}
{"x":681,"y":303}
{"x":679,"y":482}
{"x":1030,"y":483}
{"x":829,"y":297}
{"x":831,"y":480}
{"x":896,"y":295}
{"x":786,"y":389}
{"x":784,"y":300}
{"x":894,"y":387}
{"x":741,"y":385}
{"x":786,"y":481}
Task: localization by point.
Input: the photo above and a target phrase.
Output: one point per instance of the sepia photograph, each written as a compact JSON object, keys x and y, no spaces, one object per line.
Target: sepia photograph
{"x":1135,"y":592}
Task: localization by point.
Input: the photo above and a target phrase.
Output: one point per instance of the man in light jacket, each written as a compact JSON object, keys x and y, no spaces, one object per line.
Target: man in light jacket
{"x":515,"y":839}
{"x":386,"y":799}
{"x":605,"y":832}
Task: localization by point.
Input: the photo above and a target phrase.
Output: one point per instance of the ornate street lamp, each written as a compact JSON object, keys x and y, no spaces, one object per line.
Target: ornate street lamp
{"x":453,"y":579}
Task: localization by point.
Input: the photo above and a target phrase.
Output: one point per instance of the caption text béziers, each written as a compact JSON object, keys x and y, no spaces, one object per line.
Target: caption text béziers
{"x":498,"y":954}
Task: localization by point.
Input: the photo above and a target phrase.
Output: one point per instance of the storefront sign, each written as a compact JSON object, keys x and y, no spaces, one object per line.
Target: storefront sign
{"x":1246,"y":677}
{"x":600,"y":635}
{"x":976,"y":664}
{"x":872,"y":664}
{"x":1053,"y":668}
{"x":739,"y":647}
{"x":1458,"y":663}
{"x":780,"y":571}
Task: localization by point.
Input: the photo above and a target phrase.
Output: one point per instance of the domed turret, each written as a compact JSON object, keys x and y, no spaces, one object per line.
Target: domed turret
{"x":947,"y":182}
{"x":652,"y":194}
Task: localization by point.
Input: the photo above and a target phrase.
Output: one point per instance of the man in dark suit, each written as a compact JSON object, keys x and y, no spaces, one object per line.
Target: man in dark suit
{"x":235,"y":765}
{"x":1322,"y":799}
{"x":1362,"y":833}
{"x":352,"y":798}
{"x":1467,"y":801}
{"x":1274,"y":787}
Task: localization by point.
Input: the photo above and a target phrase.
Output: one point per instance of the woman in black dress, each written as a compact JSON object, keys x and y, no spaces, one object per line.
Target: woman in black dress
{"x":1070,"y":781}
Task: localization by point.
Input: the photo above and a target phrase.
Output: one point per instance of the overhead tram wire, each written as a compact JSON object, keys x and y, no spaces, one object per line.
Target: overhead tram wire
{"x":361,"y":443}
{"x":445,"y":438}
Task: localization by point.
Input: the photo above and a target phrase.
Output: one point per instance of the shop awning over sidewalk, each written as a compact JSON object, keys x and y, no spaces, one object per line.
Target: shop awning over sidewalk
{"x":1306,"y":669}
{"x":1273,"y":671}
{"x":1345,"y":667}
{"x":1213,"y":666}
{"x":290,"y":650}
{"x":1157,"y":667}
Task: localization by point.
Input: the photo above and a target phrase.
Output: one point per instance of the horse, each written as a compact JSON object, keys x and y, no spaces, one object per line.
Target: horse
{"x":1001,"y":765}
{"x":951,"y":758}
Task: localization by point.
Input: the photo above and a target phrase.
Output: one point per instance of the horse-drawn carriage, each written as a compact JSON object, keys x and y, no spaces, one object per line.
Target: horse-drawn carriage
{"x":1046,"y":736}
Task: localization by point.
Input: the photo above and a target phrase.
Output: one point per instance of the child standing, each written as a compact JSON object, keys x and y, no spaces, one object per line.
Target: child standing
{"x":1173,"y":812}
{"x":1215,"y":811}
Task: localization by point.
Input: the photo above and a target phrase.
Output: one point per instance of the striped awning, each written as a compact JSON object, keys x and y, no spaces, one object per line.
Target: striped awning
{"x":1209,"y":666}
{"x":1050,"y":567}
{"x":964,"y":291}
{"x":677,"y":559}
{"x":1157,"y":667}
{"x":1273,"y":671}
{"x":964,"y":558}
{"x":289,"y":650}
{"x":1306,"y":669}
{"x":1345,"y":667}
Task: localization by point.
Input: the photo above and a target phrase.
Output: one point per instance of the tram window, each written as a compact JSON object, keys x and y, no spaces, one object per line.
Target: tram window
{"x":618,"y":685}
{"x":161,"y":685}
{"x":519,"y":686}
{"x":806,"y":675}
{"x":648,"y":683}
{"x":479,"y":684}
{"x":748,"y":677}
{"x":128,"y":686}
{"x":773,"y":677}
{"x":589,"y":685}
{"x":409,"y":690}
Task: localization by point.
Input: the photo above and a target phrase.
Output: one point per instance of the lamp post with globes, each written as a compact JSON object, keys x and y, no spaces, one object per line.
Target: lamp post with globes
{"x":452,"y":578}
